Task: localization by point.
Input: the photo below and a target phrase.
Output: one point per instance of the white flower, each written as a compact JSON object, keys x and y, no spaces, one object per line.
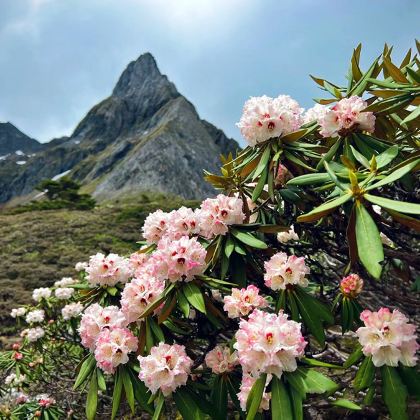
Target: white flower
{"x":34,"y":334}
{"x":72,"y":310}
{"x":64,"y":293}
{"x":80,"y":266}
{"x":38,"y":315}
{"x":65,"y":281}
{"x":41,"y":293}
{"x":16,"y":312}
{"x":315,"y":113}
{"x":12,"y":379}
{"x":290,"y":235}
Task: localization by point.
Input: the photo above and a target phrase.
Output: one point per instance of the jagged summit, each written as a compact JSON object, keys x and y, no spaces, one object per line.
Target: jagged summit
{"x":144,"y":137}
{"x":12,"y":140}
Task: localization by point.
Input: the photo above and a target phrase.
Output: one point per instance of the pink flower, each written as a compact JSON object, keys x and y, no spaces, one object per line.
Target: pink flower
{"x":139,"y":294}
{"x":182,"y":222}
{"x":166,"y":368}
{"x":243,"y":301}
{"x":264,"y":118}
{"x":282,"y":270}
{"x":290,"y":235}
{"x":179,"y":260}
{"x":95,"y":319}
{"x":137,"y":262}
{"x":315,"y":113}
{"x":108,"y":270}
{"x":216,"y":214}
{"x":269,"y":343}
{"x":346,"y":116}
{"x":282,"y":176}
{"x":155,"y":226}
{"x":246,"y":386}
{"x":351,"y":286}
{"x":113,"y":346}
{"x":388,"y":338}
{"x":46,"y":401}
{"x":221,"y":360}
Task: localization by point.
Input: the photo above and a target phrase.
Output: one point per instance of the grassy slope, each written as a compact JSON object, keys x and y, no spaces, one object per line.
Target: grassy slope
{"x":40,"y":247}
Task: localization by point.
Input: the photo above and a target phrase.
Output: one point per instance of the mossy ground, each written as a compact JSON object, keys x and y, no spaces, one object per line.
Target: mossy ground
{"x":40,"y":247}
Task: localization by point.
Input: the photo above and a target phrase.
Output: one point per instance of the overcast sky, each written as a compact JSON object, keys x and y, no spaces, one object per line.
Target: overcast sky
{"x":58,"y":58}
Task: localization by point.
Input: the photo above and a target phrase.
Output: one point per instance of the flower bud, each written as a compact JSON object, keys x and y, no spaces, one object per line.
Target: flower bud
{"x":351,"y":286}
{"x":16,"y":346}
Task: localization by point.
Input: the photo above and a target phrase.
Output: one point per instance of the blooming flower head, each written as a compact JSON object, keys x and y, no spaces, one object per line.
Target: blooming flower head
{"x":72,"y":310}
{"x":264,"y":118}
{"x":17,"y":312}
{"x":221,"y":359}
{"x":178,"y":260}
{"x":290,"y":235}
{"x":81,"y":266}
{"x":15,"y":380}
{"x":182,"y":222}
{"x":243,"y":301}
{"x":108,"y":270}
{"x":388,"y":338}
{"x":34,"y":334}
{"x":166,"y":368}
{"x":155,"y":226}
{"x":216,"y":214}
{"x":137,"y":262}
{"x":315,"y":113}
{"x":37,"y":315}
{"x":65,"y":281}
{"x":95,"y":319}
{"x":139,"y":294}
{"x":41,"y":293}
{"x":269,"y":343}
{"x":351,"y":286}
{"x":246,"y":386}
{"x":282,"y":270}
{"x":346,"y":116}
{"x":113,"y":346}
{"x":64,"y":293}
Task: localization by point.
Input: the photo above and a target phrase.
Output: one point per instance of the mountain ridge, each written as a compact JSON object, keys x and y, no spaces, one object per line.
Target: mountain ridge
{"x":145,"y":136}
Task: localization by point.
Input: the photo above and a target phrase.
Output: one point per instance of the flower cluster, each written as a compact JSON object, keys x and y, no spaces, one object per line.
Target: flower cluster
{"x":246,"y":386}
{"x":72,"y":310}
{"x":113,"y":346}
{"x":35,"y":316}
{"x":316,"y":113}
{"x":137,"y":262}
{"x":221,"y":359}
{"x":108,"y":270}
{"x":34,"y":334}
{"x":41,"y":293}
{"x":139,"y":294}
{"x":65,"y":281}
{"x":166,"y":368}
{"x":17,"y":312}
{"x":290,"y":235}
{"x":388,"y":338}
{"x":351,"y":286}
{"x":264,"y":118}
{"x":216,"y":214}
{"x":269,"y":343}
{"x":14,"y":380}
{"x":64,"y":293}
{"x":282,"y":270}
{"x":243,"y":301}
{"x":345,"y":116}
{"x":178,"y":260}
{"x":95,"y":319}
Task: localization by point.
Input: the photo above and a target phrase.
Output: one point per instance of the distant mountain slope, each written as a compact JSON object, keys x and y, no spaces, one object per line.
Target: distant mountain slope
{"x":13,"y":140}
{"x":145,"y":136}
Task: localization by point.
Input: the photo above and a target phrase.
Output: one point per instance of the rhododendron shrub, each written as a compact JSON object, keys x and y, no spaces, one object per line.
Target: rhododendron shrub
{"x":232,"y":309}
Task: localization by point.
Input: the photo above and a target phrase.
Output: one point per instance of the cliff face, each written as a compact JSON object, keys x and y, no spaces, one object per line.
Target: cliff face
{"x":145,"y":136}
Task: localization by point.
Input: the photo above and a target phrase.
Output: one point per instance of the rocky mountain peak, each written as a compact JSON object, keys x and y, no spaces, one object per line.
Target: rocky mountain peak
{"x":12,"y":140}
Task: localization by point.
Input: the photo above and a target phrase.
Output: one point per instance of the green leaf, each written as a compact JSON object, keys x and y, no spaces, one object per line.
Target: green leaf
{"x":183,"y":304}
{"x":262,"y":164}
{"x":92,"y":398}
{"x":319,"y":363}
{"x":333,"y":177}
{"x":318,"y":308}
{"x":116,"y":395}
{"x":248,"y":239}
{"x":315,"y":382}
{"x":101,"y":380}
{"x":255,"y":397}
{"x":281,"y":408}
{"x":85,"y":370}
{"x":394,"y":393}
{"x":297,"y":404}
{"x":369,"y":244}
{"x":324,"y":209}
{"x":194,"y":296}
{"x":354,"y":357}
{"x":186,"y":405}
{"x":401,"y":206}
{"x":260,"y":185}
{"x":329,"y":155}
{"x":128,"y":388}
{"x":159,"y":406}
{"x":360,"y":158}
{"x":219,"y":396}
{"x":112,"y":291}
{"x":395,"y":175}
{"x":387,"y":156}
{"x":411,"y":379}
{"x":365,"y":375}
{"x":346,"y":404}
{"x":229,"y":246}
{"x":309,"y":179}
{"x":157,"y":331}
